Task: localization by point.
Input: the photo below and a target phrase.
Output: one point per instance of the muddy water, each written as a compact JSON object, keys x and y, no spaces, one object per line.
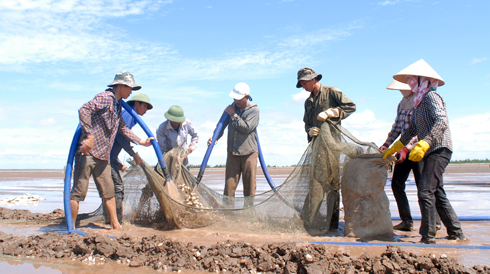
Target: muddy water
{"x":12,"y":265}
{"x":467,"y":192}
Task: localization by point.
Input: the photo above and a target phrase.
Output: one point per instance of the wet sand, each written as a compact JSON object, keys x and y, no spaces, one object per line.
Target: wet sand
{"x":477,"y":232}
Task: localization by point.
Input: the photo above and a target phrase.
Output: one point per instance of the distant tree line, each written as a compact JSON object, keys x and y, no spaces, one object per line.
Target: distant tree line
{"x":471,"y":161}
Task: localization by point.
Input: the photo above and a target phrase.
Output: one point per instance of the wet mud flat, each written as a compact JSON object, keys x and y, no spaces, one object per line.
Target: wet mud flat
{"x":200,"y":251}
{"x":146,"y":249}
{"x":161,"y":253}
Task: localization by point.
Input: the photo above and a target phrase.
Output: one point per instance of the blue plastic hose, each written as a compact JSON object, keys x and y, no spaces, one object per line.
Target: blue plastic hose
{"x":148,"y":132}
{"x":216,"y":132}
{"x":71,"y":155}
{"x":66,"y":189}
{"x":404,"y":244}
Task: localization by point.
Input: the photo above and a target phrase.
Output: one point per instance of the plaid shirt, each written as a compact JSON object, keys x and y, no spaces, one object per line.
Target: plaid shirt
{"x":101,"y":117}
{"x":430,"y":123}
{"x":402,"y":122}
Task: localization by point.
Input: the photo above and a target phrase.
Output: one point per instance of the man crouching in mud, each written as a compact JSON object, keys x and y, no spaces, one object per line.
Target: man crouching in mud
{"x":100,"y":120}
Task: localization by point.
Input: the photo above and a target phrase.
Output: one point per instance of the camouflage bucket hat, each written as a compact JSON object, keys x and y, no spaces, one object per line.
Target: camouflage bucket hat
{"x":124,"y":78}
{"x":175,"y":114}
{"x":307,"y":74}
{"x":140,"y":97}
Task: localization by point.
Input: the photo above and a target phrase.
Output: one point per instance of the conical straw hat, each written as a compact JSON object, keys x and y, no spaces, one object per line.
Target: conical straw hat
{"x":395,"y":85}
{"x":419,"y":68}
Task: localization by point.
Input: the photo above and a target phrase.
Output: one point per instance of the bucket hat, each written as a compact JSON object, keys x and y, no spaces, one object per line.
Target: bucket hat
{"x":419,"y":68}
{"x":175,"y":114}
{"x":307,"y":74}
{"x":395,"y":85}
{"x":239,"y":91}
{"x":141,"y":97}
{"x":125,"y":78}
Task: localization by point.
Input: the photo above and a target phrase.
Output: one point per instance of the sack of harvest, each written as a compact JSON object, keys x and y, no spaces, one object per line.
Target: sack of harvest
{"x":366,"y":206}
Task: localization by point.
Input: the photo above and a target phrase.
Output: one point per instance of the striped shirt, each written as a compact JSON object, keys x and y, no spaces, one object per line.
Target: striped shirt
{"x":101,"y":118}
{"x":430,"y":123}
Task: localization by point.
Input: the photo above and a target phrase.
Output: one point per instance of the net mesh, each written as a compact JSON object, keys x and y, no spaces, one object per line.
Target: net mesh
{"x":300,"y":204}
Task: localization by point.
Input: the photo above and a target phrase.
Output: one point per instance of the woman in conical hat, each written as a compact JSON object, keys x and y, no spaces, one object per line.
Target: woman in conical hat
{"x":403,"y":167}
{"x":430,"y":123}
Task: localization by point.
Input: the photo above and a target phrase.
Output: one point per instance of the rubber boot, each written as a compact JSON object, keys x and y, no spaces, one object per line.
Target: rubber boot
{"x":334,"y":223}
{"x":332,"y":209}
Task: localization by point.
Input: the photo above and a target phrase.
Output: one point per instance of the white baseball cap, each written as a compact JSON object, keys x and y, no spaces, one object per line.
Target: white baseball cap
{"x":239,"y":91}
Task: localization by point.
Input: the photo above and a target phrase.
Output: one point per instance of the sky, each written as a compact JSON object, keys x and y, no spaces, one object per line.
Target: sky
{"x":56,"y":55}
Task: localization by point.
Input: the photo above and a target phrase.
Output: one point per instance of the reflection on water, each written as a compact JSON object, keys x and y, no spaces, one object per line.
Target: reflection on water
{"x":13,"y":265}
{"x":467,"y":192}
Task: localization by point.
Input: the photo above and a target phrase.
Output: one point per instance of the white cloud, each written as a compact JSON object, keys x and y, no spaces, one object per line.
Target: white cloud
{"x":301,"y":96}
{"x":478,"y":60}
{"x":47,"y":32}
{"x":9,"y":152}
{"x":470,"y":136}
{"x":47,"y":122}
{"x":387,"y":2}
{"x":50,"y":31}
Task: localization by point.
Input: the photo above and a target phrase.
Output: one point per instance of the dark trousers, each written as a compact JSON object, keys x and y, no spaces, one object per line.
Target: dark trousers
{"x":400,"y":176}
{"x":432,"y":196}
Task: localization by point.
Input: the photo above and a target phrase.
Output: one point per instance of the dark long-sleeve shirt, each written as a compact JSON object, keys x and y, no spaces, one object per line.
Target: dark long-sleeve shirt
{"x":430,"y":123}
{"x":328,"y":97}
{"x":101,"y":117}
{"x":242,"y":131}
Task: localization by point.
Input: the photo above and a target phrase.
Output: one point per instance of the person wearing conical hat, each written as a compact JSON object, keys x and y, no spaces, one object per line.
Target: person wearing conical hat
{"x":403,"y":165}
{"x":324,"y":103}
{"x":140,"y":103}
{"x":175,"y":131}
{"x":430,"y":123}
{"x":100,"y":121}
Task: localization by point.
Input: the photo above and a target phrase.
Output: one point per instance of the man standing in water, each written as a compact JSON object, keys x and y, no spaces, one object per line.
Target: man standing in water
{"x":100,"y":120}
{"x":140,"y":103}
{"x":324,"y":102}
{"x":242,"y":143}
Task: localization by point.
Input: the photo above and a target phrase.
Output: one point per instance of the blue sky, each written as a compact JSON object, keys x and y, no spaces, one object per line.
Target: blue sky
{"x":57,"y":55}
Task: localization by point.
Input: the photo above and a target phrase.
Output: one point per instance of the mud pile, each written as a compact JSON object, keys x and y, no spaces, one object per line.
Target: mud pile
{"x":27,"y":215}
{"x":161,"y":253}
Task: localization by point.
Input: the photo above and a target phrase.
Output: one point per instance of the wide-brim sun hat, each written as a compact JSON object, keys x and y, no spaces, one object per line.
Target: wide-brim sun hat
{"x":239,"y":91}
{"x":419,"y":68}
{"x":141,"y":97}
{"x":307,"y":74}
{"x":125,"y":78}
{"x":175,"y":114}
{"x":396,"y":85}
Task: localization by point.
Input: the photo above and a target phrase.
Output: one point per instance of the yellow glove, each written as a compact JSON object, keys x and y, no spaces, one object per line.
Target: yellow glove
{"x":329,"y":113}
{"x":314,"y":131}
{"x":418,"y":151}
{"x":393,"y":149}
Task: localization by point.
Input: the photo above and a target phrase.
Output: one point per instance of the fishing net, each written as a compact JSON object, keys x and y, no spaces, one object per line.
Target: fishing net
{"x":301,"y":204}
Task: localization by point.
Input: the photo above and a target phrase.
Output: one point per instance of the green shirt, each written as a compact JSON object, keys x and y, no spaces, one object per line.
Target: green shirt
{"x":328,"y":97}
